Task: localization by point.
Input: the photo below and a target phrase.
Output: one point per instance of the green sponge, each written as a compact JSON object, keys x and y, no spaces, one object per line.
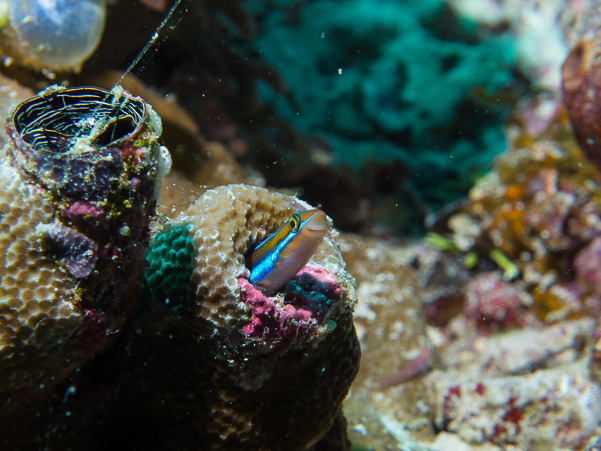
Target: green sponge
{"x":169,"y":269}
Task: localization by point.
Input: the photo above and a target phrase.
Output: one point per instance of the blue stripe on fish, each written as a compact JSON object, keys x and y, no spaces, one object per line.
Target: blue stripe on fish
{"x":277,"y":259}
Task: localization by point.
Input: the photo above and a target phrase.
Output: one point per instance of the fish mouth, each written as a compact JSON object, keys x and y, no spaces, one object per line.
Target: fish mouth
{"x":318,"y":223}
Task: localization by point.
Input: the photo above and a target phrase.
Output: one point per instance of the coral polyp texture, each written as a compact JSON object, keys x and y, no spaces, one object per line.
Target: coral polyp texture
{"x":225,"y":224}
{"x":77,"y":189}
{"x":252,"y":371}
{"x":36,"y":296}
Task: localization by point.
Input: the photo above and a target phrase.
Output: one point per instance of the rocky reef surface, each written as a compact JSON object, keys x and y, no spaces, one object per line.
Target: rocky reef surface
{"x":127,"y":318}
{"x":499,"y":339}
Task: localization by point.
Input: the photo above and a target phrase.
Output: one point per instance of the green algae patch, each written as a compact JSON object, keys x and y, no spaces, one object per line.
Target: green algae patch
{"x":408,"y":82}
{"x":170,"y":267}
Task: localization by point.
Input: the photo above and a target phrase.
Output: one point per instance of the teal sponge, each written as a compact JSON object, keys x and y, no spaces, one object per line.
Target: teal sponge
{"x":170,"y":267}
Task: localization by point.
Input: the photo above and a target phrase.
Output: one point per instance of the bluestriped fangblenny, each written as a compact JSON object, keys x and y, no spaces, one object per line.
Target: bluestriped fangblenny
{"x":277,"y":259}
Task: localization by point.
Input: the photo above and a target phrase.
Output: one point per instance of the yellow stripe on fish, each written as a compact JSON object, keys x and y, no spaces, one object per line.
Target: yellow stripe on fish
{"x":277,"y":259}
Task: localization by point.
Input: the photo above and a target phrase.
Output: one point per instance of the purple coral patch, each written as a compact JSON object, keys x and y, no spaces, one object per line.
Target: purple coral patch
{"x":308,"y":299}
{"x":271,"y":321}
{"x":75,"y":251}
{"x":83,"y":211}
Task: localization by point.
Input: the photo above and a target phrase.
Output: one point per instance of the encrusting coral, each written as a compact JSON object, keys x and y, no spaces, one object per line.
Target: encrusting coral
{"x":37,"y":312}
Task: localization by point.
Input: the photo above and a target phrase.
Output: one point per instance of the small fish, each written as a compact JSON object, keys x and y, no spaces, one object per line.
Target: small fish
{"x":277,"y":259}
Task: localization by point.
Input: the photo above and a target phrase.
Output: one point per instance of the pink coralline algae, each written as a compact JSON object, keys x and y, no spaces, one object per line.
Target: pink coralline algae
{"x":271,"y":321}
{"x":306,"y":303}
{"x":494,"y":304}
{"x":83,"y":212}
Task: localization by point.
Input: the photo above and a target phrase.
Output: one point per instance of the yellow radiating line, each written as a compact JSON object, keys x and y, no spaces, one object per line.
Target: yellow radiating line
{"x":156,"y":39}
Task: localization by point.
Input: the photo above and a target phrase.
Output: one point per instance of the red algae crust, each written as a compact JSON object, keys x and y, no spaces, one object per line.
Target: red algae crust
{"x":305,"y":306}
{"x":273,"y":321}
{"x":493,"y":304}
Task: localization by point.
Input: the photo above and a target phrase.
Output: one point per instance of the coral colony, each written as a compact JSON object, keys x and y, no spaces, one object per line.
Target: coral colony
{"x":66,"y":201}
{"x":208,"y":307}
{"x":231,"y":347}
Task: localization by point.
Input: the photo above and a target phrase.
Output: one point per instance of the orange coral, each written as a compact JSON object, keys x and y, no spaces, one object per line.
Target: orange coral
{"x":539,"y":205}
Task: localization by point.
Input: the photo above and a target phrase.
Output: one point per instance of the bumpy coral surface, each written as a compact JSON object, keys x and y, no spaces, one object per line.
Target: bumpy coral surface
{"x":229,"y":367}
{"x":226,"y":224}
{"x":36,"y":296}
{"x":232,"y":368}
{"x":75,"y":206}
{"x":170,"y":266}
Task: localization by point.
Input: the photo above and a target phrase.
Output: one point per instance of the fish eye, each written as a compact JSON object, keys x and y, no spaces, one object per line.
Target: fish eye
{"x":294,"y":223}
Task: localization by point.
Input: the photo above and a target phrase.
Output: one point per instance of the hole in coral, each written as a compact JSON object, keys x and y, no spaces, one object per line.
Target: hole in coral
{"x":308,"y":298}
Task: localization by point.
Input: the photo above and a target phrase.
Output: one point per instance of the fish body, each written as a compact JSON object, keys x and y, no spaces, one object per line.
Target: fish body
{"x":277,"y":259}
